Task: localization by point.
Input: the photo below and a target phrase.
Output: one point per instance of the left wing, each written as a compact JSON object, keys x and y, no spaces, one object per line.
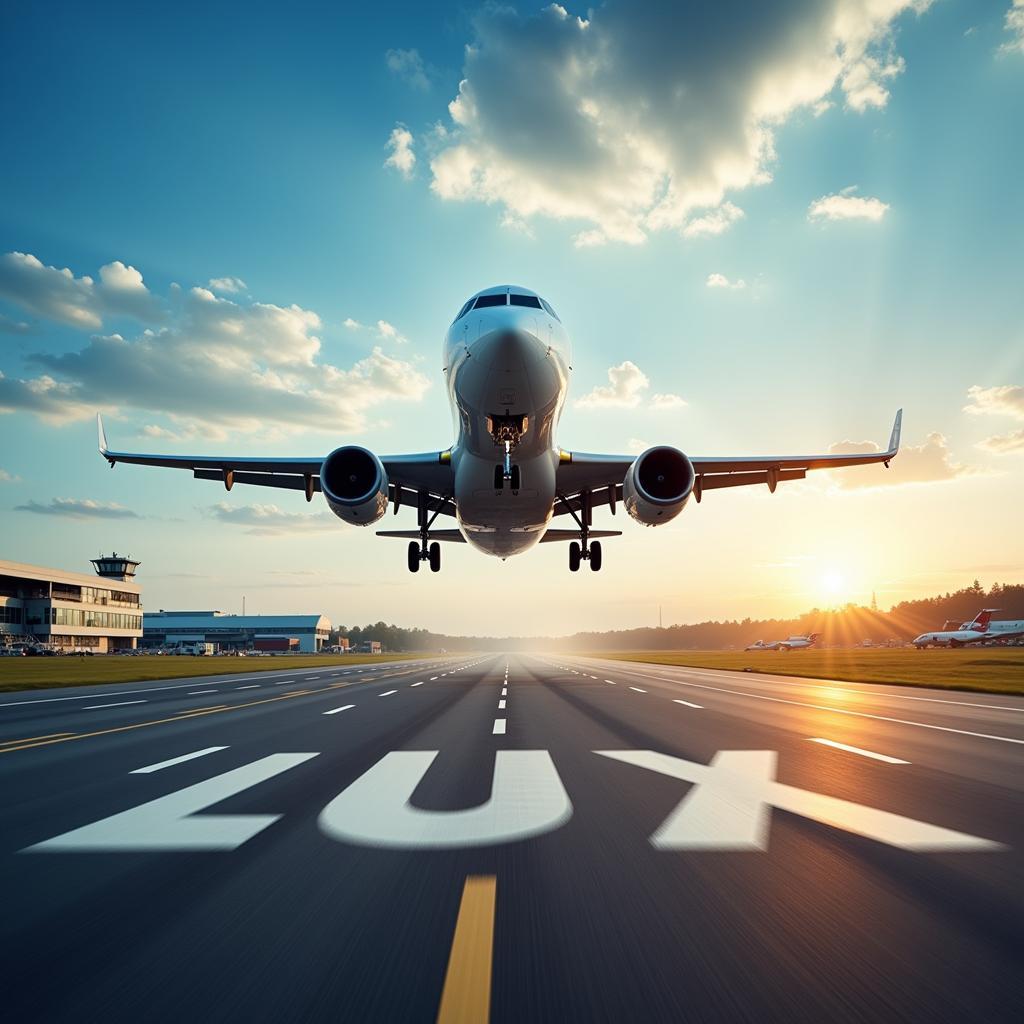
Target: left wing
{"x":408,"y":475}
{"x":602,"y":475}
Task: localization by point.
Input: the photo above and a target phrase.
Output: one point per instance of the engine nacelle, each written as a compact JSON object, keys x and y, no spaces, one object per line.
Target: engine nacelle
{"x":658,"y":485}
{"x":355,"y":485}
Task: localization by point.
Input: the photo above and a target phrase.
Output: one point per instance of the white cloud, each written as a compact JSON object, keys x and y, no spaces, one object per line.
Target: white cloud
{"x":721,"y":281}
{"x":627,"y":387}
{"x":10,"y":326}
{"x":269,"y":520}
{"x":402,"y":157}
{"x":1004,"y":444}
{"x":640,"y":117}
{"x":845,"y":206}
{"x":231,"y":285}
{"x":637,"y":446}
{"x":924,"y":463}
{"x":353,"y":325}
{"x":78,"y":508}
{"x":385,"y":331}
{"x":1014,"y":25}
{"x":79,"y":301}
{"x":1002,"y":400}
{"x":408,"y":65}
{"x":7,"y":478}
{"x":219,"y":365}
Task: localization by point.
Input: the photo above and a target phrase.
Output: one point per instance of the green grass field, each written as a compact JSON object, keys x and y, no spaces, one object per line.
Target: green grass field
{"x":39,"y":673}
{"x":991,"y":669}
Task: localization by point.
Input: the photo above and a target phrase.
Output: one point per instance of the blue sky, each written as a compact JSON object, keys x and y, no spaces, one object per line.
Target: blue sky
{"x":795,"y":226}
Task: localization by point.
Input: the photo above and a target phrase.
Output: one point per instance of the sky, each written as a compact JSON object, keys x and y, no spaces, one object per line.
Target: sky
{"x":244,"y":231}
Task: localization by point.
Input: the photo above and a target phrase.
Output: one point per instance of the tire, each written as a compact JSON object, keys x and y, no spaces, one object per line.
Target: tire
{"x":435,"y":557}
{"x":414,"y":556}
{"x":516,"y":478}
{"x":499,"y":478}
{"x":575,"y":553}
{"x":595,"y":556}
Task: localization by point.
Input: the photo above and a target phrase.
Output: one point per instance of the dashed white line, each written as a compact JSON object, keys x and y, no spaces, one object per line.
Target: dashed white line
{"x":686,"y":703}
{"x":610,"y":682}
{"x":638,"y":690}
{"x":420,"y":683}
{"x":195,"y":693}
{"x":119,"y":704}
{"x":504,"y":691}
{"x":176,"y":760}
{"x":254,"y":686}
{"x":858,"y":750}
{"x":284,"y":682}
{"x":387,"y":693}
{"x":335,"y":711}
{"x":501,"y":705}
{"x":499,"y":727}
{"x":432,"y":678}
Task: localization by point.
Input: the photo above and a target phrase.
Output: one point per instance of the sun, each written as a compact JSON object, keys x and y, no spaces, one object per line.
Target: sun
{"x":833,"y":582}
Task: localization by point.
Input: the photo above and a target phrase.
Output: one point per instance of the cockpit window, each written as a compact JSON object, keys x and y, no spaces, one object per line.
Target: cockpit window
{"x":463,"y":311}
{"x":550,"y":310}
{"x":525,"y":300}
{"x":490,"y":300}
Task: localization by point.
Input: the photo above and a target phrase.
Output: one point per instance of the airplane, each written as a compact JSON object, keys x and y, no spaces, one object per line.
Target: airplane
{"x":507,"y":361}
{"x":793,"y":643}
{"x":981,"y":628}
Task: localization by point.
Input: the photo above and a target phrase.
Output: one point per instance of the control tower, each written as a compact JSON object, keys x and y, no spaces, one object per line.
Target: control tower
{"x":115,"y":567}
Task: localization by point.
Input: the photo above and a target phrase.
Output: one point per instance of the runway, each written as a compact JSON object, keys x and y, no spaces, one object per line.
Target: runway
{"x":661,"y":844}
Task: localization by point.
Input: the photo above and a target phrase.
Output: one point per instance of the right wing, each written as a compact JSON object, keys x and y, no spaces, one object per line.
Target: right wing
{"x":408,"y":475}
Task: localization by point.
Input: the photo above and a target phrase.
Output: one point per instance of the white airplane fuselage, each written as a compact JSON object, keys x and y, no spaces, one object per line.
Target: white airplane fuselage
{"x":507,"y":368}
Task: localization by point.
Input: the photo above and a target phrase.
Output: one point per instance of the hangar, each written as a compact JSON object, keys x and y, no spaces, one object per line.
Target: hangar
{"x":235,"y":632}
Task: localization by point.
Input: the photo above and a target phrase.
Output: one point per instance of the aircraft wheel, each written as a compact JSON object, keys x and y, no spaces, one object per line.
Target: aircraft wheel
{"x":516,"y":478}
{"x":575,"y":553}
{"x":414,"y":556}
{"x":499,"y":478}
{"x":435,"y":557}
{"x":595,"y":556}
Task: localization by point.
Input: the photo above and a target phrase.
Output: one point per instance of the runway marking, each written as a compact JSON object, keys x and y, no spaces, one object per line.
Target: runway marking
{"x":847,"y":711}
{"x":466,"y":996}
{"x":150,"y":768}
{"x":638,"y":690}
{"x":311,"y":677}
{"x":119,"y":704}
{"x":499,"y":727}
{"x":284,"y":682}
{"x":593,"y":677}
{"x":686,"y":703}
{"x":196,"y":693}
{"x":32,"y":739}
{"x":858,"y":750}
{"x":335,"y":711}
{"x":387,"y":693}
{"x":254,"y":686}
{"x":172,"y":822}
{"x":432,"y":678}
{"x":610,"y":682}
{"x":501,"y":705}
{"x":504,"y":691}
{"x":420,"y":683}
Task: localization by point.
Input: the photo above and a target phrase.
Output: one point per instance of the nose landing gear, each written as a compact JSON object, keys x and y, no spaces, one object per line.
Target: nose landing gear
{"x":507,"y":471}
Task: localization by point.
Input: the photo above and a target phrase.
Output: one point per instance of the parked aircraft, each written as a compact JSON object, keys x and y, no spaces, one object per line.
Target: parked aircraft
{"x":507,"y":359}
{"x":793,"y":643}
{"x":982,"y":628}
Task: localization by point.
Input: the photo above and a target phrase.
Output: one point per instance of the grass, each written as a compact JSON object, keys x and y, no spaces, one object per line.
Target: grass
{"x":44,"y":673}
{"x":988,"y":669}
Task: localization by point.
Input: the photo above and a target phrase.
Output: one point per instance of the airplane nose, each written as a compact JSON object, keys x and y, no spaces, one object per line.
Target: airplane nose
{"x":508,"y":349}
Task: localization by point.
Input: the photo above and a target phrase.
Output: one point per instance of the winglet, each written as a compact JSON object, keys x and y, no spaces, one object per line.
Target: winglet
{"x":894,"y":437}
{"x":102,"y":434}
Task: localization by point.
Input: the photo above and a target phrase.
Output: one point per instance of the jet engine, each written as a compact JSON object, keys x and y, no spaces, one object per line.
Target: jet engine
{"x":355,"y":485}
{"x":658,"y":485}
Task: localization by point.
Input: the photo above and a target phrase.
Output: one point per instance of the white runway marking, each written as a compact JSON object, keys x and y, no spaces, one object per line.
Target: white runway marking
{"x":593,"y":677}
{"x":499,"y":727}
{"x":284,"y":682}
{"x":335,"y":711}
{"x":254,"y":686}
{"x":610,"y":682}
{"x":311,"y":678}
{"x":195,"y":693}
{"x":175,"y":760}
{"x":387,"y":693}
{"x":119,"y":704}
{"x":420,"y":683}
{"x":504,"y":691}
{"x":432,"y":678}
{"x":858,"y":750}
{"x":686,"y":703}
{"x":638,"y":690}
{"x":501,"y":705}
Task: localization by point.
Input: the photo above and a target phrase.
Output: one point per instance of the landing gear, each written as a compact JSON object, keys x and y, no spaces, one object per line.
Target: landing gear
{"x":575,"y":554}
{"x":583,"y":550}
{"x":595,"y":556}
{"x":506,"y":471}
{"x":425,"y":550}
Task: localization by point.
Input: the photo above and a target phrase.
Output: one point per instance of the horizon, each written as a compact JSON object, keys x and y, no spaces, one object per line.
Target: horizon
{"x":262,"y":256}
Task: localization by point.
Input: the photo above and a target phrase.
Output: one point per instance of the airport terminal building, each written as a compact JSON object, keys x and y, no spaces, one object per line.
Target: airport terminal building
{"x":71,"y":610}
{"x":305,"y":633}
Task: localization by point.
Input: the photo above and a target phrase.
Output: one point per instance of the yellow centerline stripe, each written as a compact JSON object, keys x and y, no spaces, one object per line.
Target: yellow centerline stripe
{"x":32,"y":739}
{"x":466,"y":997}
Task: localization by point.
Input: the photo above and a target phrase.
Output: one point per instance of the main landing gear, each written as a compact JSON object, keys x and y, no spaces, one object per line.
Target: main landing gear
{"x":425,"y":550}
{"x":583,"y":550}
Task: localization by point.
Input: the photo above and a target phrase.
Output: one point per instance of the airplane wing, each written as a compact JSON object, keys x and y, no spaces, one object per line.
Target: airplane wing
{"x":407,"y":474}
{"x":602,"y":475}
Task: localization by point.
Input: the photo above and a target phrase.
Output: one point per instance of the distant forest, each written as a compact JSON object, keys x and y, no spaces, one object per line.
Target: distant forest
{"x":846,"y":626}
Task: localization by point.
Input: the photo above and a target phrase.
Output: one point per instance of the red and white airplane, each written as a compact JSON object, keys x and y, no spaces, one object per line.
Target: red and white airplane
{"x":982,"y":628}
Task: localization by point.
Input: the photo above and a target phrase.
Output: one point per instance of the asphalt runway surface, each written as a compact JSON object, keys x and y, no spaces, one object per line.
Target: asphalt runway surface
{"x":515,"y":838}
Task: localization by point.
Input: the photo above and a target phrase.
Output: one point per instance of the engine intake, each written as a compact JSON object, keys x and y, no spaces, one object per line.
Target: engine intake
{"x":658,"y":485}
{"x":355,"y":485}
